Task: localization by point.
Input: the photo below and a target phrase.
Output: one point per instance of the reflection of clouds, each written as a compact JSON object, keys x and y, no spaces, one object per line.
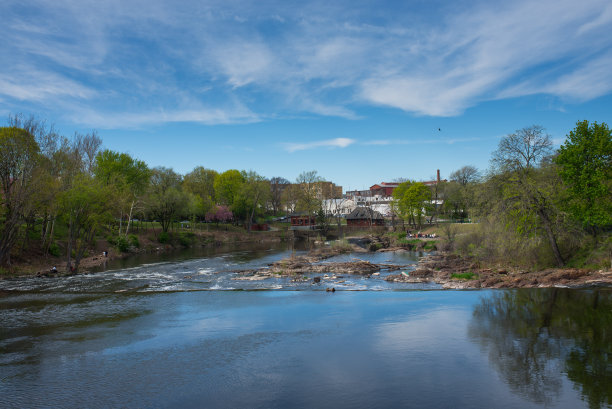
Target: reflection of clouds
{"x":422,"y":333}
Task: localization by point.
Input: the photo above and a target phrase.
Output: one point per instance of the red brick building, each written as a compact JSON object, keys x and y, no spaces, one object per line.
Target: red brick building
{"x":383,"y":189}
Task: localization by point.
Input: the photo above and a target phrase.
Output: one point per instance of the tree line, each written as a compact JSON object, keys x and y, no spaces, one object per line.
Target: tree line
{"x":534,"y":203}
{"x":49,"y":180}
{"x":537,"y":205}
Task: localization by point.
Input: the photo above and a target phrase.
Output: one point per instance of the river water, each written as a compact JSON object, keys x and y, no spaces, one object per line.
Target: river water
{"x":180,"y":331}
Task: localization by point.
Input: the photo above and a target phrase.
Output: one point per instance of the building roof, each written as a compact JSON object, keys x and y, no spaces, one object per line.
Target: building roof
{"x":364,"y":213}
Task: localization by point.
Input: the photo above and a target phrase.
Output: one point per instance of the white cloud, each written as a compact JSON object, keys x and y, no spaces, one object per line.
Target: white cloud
{"x":322,"y":59}
{"x":39,"y":86}
{"x":330,"y":143}
{"x":207,"y":116}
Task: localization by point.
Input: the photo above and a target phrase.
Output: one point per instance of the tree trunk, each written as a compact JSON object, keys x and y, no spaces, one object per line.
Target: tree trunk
{"x":69,"y":245}
{"x":551,"y":237}
{"x":50,"y":238}
{"x":127,"y":227}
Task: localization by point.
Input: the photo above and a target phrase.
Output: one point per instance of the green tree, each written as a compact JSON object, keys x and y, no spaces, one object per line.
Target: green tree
{"x":253,"y":194}
{"x":19,"y":155}
{"x":530,"y":190}
{"x":85,"y":208}
{"x":201,"y":181}
{"x":227,"y":185}
{"x":166,"y":200}
{"x":128,"y":176}
{"x":308,"y":192}
{"x":585,"y":165}
{"x":412,"y":198}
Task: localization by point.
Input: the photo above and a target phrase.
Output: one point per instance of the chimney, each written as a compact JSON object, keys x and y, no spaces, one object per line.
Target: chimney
{"x":438,"y":176}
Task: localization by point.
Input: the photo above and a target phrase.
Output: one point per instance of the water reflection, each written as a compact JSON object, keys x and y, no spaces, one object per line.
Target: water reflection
{"x":535,"y":338}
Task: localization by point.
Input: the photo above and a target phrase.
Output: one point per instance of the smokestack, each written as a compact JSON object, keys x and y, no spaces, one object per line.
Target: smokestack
{"x":438,"y":175}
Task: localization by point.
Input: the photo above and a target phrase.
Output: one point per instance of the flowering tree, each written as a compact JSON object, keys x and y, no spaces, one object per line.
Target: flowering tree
{"x":219,"y":214}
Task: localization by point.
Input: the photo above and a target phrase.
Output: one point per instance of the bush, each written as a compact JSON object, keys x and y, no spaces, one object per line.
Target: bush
{"x":430,"y":246}
{"x":186,"y":239}
{"x":375,"y":246}
{"x":164,"y":237}
{"x":464,"y":276}
{"x":54,"y":250}
{"x":133,"y":240}
{"x":342,"y":245}
{"x":122,"y":244}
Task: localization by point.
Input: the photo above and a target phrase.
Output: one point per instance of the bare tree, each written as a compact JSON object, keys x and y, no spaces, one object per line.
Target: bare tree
{"x":87,"y":147}
{"x":522,"y":150}
{"x":277,"y":187}
{"x":465,"y":175}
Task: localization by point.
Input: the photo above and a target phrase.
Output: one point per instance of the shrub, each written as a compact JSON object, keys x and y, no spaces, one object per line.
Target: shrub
{"x":133,"y":240}
{"x":54,"y":250}
{"x":464,"y":276}
{"x":164,"y":237}
{"x":186,"y":239}
{"x":342,"y":245}
{"x":430,"y":246}
{"x":122,"y":244}
{"x":375,"y":246}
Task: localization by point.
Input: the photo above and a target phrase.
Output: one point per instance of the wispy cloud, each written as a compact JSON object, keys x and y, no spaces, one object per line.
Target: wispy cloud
{"x":136,"y":56}
{"x":419,"y":141}
{"x":330,"y":143}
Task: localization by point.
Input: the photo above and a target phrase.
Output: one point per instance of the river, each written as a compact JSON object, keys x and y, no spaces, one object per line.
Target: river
{"x":180,"y":331}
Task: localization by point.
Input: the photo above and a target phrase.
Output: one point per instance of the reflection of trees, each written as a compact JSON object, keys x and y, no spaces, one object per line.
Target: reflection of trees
{"x":534,"y":336}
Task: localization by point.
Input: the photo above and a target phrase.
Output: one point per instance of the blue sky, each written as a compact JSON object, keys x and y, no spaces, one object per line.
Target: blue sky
{"x":361,"y":91}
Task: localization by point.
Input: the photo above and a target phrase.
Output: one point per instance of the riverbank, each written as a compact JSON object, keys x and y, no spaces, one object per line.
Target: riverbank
{"x":454,"y":272}
{"x":446,"y":269}
{"x":38,"y":264}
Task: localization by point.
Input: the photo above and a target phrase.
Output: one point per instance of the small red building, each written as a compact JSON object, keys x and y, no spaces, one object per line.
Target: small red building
{"x":302,"y":220}
{"x":365,"y":217}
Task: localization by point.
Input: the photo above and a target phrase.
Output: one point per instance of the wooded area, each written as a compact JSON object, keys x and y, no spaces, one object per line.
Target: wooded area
{"x":534,"y":205}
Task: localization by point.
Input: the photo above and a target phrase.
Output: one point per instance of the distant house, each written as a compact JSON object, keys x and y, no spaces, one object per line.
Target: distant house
{"x":365,"y":217}
{"x":301,"y":221}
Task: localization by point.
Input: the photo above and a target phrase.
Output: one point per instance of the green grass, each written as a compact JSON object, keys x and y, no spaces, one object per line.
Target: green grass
{"x":430,"y":245}
{"x":464,"y":276}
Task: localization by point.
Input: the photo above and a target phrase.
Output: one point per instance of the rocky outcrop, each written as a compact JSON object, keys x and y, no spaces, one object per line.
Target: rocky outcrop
{"x":456,"y":272}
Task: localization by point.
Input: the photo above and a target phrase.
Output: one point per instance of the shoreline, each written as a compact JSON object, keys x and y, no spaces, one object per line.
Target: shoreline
{"x":40,"y":265}
{"x":437,"y":267}
{"x":440,"y":268}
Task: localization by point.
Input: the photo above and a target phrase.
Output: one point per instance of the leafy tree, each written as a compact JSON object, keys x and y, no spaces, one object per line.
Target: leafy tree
{"x":85,"y":207}
{"x":129,"y":177}
{"x":530,"y":191}
{"x":227,"y":186}
{"x":412,"y":198}
{"x":201,"y":181}
{"x":253,"y":193}
{"x":166,"y":199}
{"x":19,"y":156}
{"x":585,"y":165}
{"x":308,"y":192}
